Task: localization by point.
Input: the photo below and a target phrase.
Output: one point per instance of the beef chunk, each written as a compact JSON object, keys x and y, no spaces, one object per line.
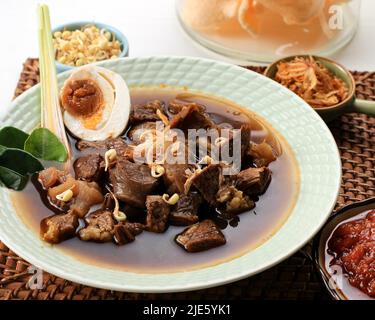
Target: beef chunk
{"x":64,"y":184}
{"x":201,"y":236}
{"x":50,"y":177}
{"x":85,"y":195}
{"x":88,"y":194}
{"x":234,"y":200}
{"x":262,"y":154}
{"x":245,"y":139}
{"x":118,"y":144}
{"x":146,"y":112}
{"x":185,"y":212}
{"x":253,"y":181}
{"x":192,"y":116}
{"x":208,"y":182}
{"x":132,"y":182}
{"x":111,"y":143}
{"x":175,"y":177}
{"x":57,"y":228}
{"x":175,"y":106}
{"x":134,"y":213}
{"x":157,"y":214}
{"x":99,"y":227}
{"x":108,"y":203}
{"x":126,"y":232}
{"x":245,"y":133}
{"x":218,"y":190}
{"x":131,"y":213}
{"x":89,"y":168}
{"x":139,"y":130}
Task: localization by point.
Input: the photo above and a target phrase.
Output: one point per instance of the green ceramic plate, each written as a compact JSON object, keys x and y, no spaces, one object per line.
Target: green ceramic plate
{"x":310,"y":139}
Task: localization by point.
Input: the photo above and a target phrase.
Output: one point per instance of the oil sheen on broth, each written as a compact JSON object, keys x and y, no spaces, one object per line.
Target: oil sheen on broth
{"x":151,"y":252}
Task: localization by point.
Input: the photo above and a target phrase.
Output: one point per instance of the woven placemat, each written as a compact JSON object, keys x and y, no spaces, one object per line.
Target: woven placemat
{"x":295,"y":278}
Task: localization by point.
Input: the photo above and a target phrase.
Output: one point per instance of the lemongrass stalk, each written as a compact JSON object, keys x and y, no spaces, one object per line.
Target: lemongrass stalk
{"x":41,"y":65}
{"x":51,"y":116}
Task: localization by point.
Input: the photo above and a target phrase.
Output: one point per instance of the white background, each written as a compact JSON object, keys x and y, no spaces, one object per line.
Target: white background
{"x":150,"y":25}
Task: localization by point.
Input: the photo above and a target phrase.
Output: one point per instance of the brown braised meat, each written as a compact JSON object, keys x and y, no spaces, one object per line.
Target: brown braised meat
{"x":157,"y":214}
{"x":245,"y":139}
{"x":208,"y":182}
{"x":175,"y":106}
{"x":134,"y":213}
{"x":99,"y":227}
{"x":253,"y":181}
{"x":202,"y":185}
{"x":89,"y":168}
{"x":60,"y":227}
{"x":126,"y":232}
{"x":262,"y":154}
{"x":67,"y":182}
{"x":88,"y":194}
{"x":226,"y":148}
{"x":142,"y":131}
{"x":118,"y":144}
{"x":50,"y":177}
{"x":146,"y":112}
{"x":108,"y":202}
{"x":201,"y":236}
{"x":85,"y":194}
{"x":175,"y":177}
{"x":191,"y":116}
{"x":132,"y":182}
{"x":185,"y":212}
{"x":218,"y":191}
{"x":233,"y":200}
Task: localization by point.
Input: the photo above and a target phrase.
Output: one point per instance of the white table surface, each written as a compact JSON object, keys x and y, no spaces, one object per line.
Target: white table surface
{"x":150,"y":25}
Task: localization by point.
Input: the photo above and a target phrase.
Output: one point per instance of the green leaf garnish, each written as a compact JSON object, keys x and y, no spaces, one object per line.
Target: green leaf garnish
{"x":20,"y":161}
{"x":19,"y":152}
{"x":12,"y":179}
{"x":43,"y":144}
{"x":11,"y":137}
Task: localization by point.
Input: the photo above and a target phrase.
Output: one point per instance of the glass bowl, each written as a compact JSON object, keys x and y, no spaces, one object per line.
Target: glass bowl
{"x":261,"y":31}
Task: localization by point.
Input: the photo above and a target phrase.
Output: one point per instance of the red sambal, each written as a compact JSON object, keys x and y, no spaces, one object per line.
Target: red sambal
{"x":353,"y":247}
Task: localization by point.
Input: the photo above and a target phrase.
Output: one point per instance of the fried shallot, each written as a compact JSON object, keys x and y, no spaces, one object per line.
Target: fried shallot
{"x":312,"y":81}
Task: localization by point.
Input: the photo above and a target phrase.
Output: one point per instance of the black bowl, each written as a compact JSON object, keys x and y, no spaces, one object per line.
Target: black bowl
{"x":337,"y":285}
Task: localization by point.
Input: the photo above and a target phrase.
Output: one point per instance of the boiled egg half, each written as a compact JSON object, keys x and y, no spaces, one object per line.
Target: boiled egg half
{"x":96,"y":103}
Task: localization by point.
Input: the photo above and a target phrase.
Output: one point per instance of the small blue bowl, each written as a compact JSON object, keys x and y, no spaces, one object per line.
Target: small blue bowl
{"x":60,"y":67}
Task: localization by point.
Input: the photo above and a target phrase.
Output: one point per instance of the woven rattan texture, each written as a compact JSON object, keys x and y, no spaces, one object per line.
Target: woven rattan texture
{"x":294,"y":278}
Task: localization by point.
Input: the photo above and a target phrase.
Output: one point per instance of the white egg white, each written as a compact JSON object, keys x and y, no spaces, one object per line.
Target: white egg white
{"x":116,"y":109}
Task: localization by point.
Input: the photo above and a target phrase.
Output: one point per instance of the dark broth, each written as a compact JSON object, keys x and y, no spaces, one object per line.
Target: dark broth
{"x":155,"y":253}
